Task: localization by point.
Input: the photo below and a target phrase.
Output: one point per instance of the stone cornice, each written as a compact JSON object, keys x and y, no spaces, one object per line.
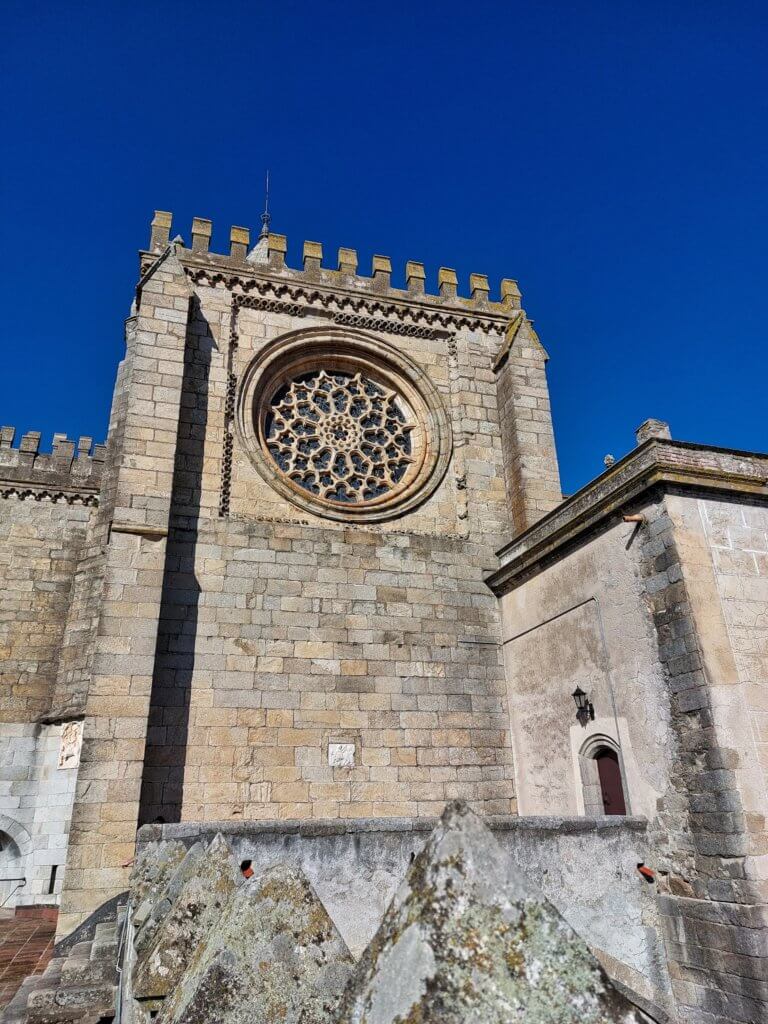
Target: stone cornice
{"x":35,"y":492}
{"x":658,"y":462}
{"x":331,"y":292}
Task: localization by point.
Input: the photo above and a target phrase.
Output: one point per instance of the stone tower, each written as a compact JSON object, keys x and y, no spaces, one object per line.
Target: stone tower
{"x":309,"y":472}
{"x":322,"y":581}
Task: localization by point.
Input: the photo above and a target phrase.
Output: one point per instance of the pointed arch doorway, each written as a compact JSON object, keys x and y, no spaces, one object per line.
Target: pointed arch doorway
{"x":609,"y":776}
{"x":603,"y":785}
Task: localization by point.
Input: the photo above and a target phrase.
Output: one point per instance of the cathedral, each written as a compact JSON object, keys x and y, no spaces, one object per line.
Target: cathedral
{"x":321,"y":581}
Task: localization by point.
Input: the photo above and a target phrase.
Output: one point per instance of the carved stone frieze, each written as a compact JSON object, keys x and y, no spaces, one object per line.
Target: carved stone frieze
{"x":393,"y":316}
{"x":43,"y":494}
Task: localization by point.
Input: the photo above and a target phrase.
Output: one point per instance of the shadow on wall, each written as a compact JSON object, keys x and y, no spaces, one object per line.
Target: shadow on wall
{"x":168,"y":728}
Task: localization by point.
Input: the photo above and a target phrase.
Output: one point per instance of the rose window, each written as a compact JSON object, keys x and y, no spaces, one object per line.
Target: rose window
{"x":340,"y":436}
{"x":341,"y":424}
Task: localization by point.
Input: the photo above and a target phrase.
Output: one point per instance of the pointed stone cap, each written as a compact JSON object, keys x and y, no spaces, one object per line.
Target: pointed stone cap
{"x":259,"y":254}
{"x":467,"y":940}
{"x":194,"y":912}
{"x":274,"y":955}
{"x":151,"y":872}
{"x":151,"y":912}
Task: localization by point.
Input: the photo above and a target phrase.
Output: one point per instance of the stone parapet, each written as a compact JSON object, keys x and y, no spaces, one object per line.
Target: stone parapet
{"x":268,"y":258}
{"x":252,"y":831}
{"x":586,"y":867}
{"x":71,"y":471}
{"x":659,"y":461}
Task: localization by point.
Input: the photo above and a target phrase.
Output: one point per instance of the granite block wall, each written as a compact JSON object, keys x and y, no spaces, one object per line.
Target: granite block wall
{"x":40,"y":545}
{"x":737,"y":534}
{"x":282,"y":632}
{"x":530,"y":460}
{"x":47,"y":502}
{"x":136,"y":493}
{"x":306,"y":637}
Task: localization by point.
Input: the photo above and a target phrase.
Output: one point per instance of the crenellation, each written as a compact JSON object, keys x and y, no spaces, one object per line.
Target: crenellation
{"x":447,"y":283}
{"x":479,"y":288}
{"x":201,"y":234}
{"x":269,"y":256}
{"x":414,"y":278}
{"x":312,"y":258}
{"x":239,"y":240}
{"x":161,"y":230}
{"x":62,"y":451}
{"x":30,"y":443}
{"x":70,"y":467}
{"x":277,"y":246}
{"x":511,"y":296}
{"x":348,"y":262}
{"x":381,"y":271}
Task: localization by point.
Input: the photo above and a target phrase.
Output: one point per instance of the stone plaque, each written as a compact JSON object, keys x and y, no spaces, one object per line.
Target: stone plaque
{"x":341,"y":755}
{"x":71,"y":741}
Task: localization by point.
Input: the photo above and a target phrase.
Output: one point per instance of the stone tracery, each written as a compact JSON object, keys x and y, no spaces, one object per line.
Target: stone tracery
{"x":340,"y":436}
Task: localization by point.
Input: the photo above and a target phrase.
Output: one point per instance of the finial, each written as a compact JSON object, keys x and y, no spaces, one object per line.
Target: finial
{"x":265,"y":217}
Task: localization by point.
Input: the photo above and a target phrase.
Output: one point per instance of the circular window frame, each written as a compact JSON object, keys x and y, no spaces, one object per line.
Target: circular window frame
{"x":347,"y":350}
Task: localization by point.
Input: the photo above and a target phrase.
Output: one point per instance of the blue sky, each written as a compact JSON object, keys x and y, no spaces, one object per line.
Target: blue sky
{"x":610,"y":156}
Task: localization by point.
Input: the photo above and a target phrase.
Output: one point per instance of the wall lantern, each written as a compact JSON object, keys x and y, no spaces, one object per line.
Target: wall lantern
{"x":585,"y":712}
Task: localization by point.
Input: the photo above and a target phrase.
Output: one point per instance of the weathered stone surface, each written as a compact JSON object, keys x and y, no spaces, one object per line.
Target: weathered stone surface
{"x":153,"y":908}
{"x":274,"y":955}
{"x":194,"y":913}
{"x":468,"y":941}
{"x":154,"y":866}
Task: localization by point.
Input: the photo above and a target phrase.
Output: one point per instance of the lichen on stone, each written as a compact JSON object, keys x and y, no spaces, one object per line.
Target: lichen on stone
{"x":466,"y":940}
{"x":275,"y":955}
{"x":196,"y":900}
{"x":155,"y":865}
{"x":150,"y":913}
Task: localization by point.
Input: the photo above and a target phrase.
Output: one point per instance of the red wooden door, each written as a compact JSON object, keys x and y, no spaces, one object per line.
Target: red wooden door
{"x":610,"y":781}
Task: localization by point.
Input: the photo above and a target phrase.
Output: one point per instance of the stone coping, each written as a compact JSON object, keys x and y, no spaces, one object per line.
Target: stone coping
{"x":658,"y":461}
{"x":311,"y":828}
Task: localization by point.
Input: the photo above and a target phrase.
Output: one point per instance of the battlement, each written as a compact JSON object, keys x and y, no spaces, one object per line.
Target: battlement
{"x":269,"y":253}
{"x":71,"y":470}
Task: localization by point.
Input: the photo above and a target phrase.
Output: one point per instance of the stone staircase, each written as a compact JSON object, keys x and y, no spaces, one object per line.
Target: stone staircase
{"x":79,"y":985}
